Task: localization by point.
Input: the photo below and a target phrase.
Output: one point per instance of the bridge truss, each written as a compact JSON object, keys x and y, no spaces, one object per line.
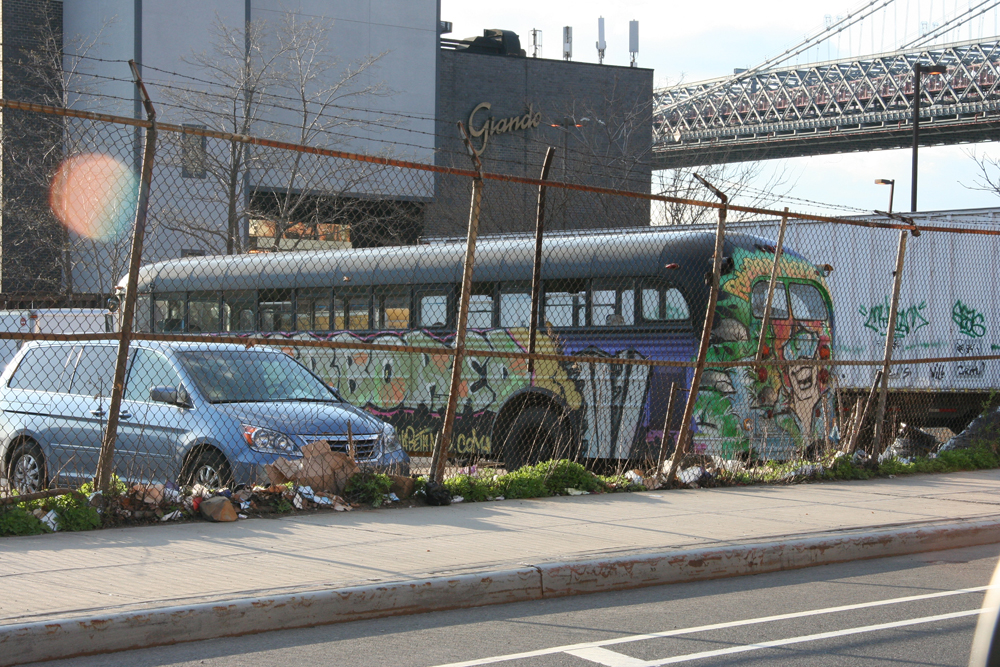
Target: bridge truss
{"x":830,"y":107}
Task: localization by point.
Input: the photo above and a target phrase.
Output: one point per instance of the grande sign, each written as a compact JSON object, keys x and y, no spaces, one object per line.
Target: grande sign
{"x":492,"y":127}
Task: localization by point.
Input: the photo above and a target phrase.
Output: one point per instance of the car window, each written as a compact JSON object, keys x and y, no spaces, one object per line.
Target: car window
{"x":807,"y":302}
{"x":779,"y":304}
{"x":43,"y":369}
{"x":95,"y":371}
{"x":149,"y":369}
{"x":238,"y":376}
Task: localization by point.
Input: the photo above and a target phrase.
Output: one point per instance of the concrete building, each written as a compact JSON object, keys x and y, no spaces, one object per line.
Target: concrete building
{"x":597,"y":117}
{"x":404,"y":103}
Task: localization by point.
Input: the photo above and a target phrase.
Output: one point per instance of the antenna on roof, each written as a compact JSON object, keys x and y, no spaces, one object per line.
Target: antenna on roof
{"x":633,"y":40}
{"x":536,"y":43}
{"x":567,"y":43}
{"x":601,"y":44}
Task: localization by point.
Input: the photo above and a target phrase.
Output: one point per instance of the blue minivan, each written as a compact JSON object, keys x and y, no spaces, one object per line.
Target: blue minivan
{"x":197,"y":413}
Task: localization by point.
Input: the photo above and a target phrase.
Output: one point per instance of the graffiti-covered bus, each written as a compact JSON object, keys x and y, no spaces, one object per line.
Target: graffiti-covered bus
{"x":623,"y":295}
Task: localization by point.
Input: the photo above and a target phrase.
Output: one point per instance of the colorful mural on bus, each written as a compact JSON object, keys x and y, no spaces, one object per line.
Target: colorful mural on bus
{"x":770,"y":412}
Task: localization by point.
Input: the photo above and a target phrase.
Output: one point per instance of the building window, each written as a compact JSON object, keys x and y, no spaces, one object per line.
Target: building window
{"x":193,"y":153}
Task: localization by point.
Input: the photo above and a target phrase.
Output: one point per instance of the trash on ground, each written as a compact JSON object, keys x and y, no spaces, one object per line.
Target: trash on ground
{"x":690,"y":476}
{"x":457,"y":499}
{"x":218,"y":508}
{"x":50,"y":519}
{"x":402,"y":486}
{"x":320,"y":468}
{"x":437,"y":494}
{"x":576,"y":492}
{"x":176,"y":514}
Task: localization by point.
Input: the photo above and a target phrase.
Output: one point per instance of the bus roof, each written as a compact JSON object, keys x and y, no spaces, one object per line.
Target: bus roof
{"x":506,"y":260}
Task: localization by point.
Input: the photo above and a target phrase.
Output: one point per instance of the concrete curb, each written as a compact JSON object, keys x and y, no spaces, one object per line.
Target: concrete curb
{"x":49,"y":640}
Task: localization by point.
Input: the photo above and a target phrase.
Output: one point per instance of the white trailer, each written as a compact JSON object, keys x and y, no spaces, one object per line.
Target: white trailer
{"x":949,"y":306}
{"x":51,"y":320}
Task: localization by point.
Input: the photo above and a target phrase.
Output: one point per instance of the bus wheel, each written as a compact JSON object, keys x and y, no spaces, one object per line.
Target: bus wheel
{"x":538,"y":434}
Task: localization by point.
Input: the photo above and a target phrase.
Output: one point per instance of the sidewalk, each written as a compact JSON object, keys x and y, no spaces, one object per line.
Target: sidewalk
{"x":92,"y":575}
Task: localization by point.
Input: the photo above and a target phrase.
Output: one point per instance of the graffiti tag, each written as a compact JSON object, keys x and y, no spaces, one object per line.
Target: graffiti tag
{"x":969,"y":320}
{"x":938,"y":372}
{"x":908,"y":320}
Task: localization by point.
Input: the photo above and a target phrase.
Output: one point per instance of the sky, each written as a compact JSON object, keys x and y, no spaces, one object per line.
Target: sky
{"x":703,"y":40}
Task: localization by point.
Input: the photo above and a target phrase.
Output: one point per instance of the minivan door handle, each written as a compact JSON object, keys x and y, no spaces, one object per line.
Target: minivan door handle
{"x":124,"y":415}
{"x":99,"y":412}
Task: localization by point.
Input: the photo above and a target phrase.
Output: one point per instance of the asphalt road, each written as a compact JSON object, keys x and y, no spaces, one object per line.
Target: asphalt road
{"x":918,"y":610}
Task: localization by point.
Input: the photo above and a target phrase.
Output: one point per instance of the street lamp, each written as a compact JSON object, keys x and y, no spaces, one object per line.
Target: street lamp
{"x":919,"y":69}
{"x":891,"y":182}
{"x":567,"y":125}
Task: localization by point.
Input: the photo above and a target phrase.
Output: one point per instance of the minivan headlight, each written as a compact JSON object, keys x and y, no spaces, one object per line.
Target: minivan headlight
{"x":388,"y":441}
{"x":269,"y":441}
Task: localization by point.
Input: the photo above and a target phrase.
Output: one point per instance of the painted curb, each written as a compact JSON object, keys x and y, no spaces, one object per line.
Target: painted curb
{"x":49,"y":640}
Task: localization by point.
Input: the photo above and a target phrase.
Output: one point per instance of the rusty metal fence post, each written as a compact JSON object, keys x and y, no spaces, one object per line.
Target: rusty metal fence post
{"x":536,"y":271}
{"x":890,"y":334}
{"x":684,"y":434}
{"x":440,"y":456}
{"x":105,"y":461}
{"x":766,"y":321}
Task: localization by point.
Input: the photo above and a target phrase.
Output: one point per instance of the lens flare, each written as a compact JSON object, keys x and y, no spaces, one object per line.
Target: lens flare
{"x":94,"y":195}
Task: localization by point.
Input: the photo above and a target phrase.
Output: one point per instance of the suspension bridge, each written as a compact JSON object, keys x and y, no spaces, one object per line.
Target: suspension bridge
{"x":844,"y":105}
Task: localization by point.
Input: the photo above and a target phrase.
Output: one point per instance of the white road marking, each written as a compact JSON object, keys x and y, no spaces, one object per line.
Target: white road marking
{"x":715,"y":626}
{"x":805,"y":638}
{"x":603,"y":656}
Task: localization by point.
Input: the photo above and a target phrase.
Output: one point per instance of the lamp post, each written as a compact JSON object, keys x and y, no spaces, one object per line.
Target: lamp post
{"x":891,"y":182}
{"x":567,"y":125}
{"x":919,"y":69}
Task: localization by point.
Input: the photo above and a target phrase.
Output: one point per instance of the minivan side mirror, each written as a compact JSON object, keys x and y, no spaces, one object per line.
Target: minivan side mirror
{"x":172,"y":395}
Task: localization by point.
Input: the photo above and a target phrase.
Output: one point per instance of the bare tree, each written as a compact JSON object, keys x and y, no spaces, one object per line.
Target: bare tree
{"x":746,"y":183}
{"x":278,"y":82}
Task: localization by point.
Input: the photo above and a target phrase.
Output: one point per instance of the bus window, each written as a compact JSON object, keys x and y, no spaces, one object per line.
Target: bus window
{"x":612,"y":304}
{"x":807,"y":302}
{"x":663,"y":304}
{"x":168,"y":313}
{"x":203,"y":312}
{"x":779,"y":304}
{"x":351,"y":310}
{"x":565,"y":305}
{"x":433,"y":310}
{"x":312,"y":310}
{"x":515,"y":309}
{"x":239,"y":311}
{"x":393,"y":309}
{"x":275,"y":310}
{"x":481,"y":306}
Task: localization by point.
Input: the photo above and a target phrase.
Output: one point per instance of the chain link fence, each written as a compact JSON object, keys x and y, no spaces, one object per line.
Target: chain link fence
{"x":292,"y":299}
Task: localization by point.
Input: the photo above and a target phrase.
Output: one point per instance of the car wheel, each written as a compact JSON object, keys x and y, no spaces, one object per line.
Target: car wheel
{"x":538,"y":434}
{"x":26,"y":472}
{"x":210,"y":469}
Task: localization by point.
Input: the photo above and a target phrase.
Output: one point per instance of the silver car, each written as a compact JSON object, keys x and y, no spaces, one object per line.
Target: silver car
{"x":204,"y":413}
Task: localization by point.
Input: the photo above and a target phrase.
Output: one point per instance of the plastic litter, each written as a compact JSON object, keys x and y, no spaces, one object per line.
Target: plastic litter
{"x":176,"y":514}
{"x":457,"y":499}
{"x":576,"y":492}
{"x":51,"y":519}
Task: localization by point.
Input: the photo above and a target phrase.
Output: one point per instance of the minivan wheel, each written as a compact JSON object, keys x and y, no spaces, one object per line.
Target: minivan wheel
{"x":26,"y":472}
{"x":210,"y":469}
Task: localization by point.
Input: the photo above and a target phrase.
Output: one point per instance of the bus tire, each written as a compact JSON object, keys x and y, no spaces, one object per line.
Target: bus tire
{"x":537,"y":434}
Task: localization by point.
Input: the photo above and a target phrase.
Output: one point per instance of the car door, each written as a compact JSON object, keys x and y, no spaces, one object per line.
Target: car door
{"x":41,"y":377}
{"x":150,"y":433}
{"x":79,"y":416}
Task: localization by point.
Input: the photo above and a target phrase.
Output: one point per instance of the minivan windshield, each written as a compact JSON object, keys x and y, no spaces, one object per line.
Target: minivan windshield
{"x":244,"y":376}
